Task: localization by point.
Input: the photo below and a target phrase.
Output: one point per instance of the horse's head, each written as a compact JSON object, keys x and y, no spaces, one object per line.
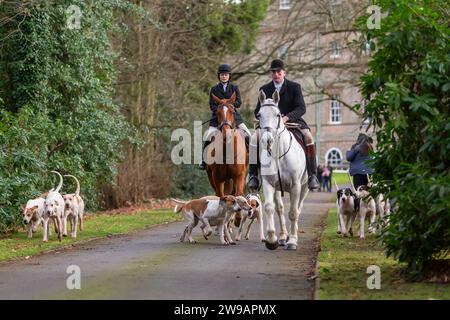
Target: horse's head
{"x":270,"y":119}
{"x":225,"y":115}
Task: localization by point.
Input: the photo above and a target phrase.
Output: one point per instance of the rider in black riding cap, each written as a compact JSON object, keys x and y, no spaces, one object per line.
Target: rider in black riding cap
{"x":223,"y":90}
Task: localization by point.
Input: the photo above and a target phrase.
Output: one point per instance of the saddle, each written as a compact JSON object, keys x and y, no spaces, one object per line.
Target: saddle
{"x":294,"y":128}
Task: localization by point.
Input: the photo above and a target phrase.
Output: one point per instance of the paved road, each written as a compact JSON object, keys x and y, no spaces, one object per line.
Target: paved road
{"x":152,"y":264}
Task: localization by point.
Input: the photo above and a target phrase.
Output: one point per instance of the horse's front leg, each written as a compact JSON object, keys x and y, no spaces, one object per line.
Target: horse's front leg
{"x":279,"y":207}
{"x":220,"y":189}
{"x":269,"y":209}
{"x":239,"y":184}
{"x":294,"y":212}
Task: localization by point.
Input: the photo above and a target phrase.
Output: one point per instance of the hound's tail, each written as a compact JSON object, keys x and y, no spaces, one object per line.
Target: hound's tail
{"x":77,"y":192}
{"x":180,"y":205}
{"x":60,"y":181}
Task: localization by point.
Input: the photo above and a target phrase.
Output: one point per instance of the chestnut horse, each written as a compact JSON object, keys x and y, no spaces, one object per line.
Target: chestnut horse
{"x":227,"y":172}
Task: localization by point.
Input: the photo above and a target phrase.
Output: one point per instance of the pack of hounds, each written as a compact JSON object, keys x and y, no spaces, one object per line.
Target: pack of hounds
{"x":54,"y":207}
{"x":209,"y":211}
{"x":353,"y":202}
{"x":222,"y":213}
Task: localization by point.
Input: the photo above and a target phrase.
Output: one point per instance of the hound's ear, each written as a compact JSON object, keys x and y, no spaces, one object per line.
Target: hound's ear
{"x":216,"y":99}
{"x":262,"y":97}
{"x":22,"y":206}
{"x":276,"y":97}
{"x":232,"y":100}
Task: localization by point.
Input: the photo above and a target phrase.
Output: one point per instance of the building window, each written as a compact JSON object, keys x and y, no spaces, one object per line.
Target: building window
{"x":283,"y":52}
{"x":335,"y":50}
{"x":285,"y":4}
{"x":366,"y":48}
{"x":335,"y":110}
{"x":333,"y":157}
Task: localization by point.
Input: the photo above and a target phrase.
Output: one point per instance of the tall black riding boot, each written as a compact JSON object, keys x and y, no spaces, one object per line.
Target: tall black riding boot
{"x":311,"y":167}
{"x":202,"y":166}
{"x":253,"y":171}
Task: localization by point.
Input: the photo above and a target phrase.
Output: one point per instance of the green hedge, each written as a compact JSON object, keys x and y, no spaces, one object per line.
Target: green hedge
{"x":58,"y":112}
{"x":409,"y":85}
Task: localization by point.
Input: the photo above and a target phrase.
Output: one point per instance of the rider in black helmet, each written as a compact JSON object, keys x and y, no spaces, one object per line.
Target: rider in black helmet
{"x":223,"y":90}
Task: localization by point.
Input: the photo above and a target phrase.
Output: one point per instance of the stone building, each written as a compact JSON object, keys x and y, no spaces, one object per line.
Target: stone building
{"x":317,"y":41}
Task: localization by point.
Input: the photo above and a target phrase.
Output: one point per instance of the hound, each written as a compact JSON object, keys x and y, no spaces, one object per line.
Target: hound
{"x":383,"y":206}
{"x":346,"y":203}
{"x":33,"y":212}
{"x":54,"y":209}
{"x":255,"y":202}
{"x":367,"y":208}
{"x":73,"y":210}
{"x":212,"y":212}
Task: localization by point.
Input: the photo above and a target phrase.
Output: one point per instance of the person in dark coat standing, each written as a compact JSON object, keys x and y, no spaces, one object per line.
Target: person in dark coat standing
{"x":292,"y":107}
{"x":358,"y":156}
{"x":223,"y":90}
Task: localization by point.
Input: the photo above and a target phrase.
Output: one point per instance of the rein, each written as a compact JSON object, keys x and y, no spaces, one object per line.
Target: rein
{"x":226,"y":123}
{"x":278,"y":135}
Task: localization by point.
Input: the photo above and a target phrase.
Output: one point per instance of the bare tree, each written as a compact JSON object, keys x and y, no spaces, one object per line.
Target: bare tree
{"x":317,"y":39}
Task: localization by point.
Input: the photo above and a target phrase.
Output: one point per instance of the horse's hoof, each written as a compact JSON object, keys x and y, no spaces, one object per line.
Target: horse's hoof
{"x":262,"y":240}
{"x":339,"y":232}
{"x":233,"y":243}
{"x":282,"y":242}
{"x":271,"y":246}
{"x":291,"y":246}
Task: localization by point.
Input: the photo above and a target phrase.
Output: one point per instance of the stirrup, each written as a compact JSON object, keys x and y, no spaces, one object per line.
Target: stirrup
{"x":313,"y":183}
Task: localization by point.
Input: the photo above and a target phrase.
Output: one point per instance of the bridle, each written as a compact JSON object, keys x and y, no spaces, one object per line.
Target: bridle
{"x":277,"y":135}
{"x":275,"y":131}
{"x":226,"y":122}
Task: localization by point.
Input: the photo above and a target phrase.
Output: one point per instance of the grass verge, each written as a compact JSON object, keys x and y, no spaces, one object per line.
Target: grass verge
{"x":343,"y":264}
{"x":96,"y":226}
{"x":341,"y":179}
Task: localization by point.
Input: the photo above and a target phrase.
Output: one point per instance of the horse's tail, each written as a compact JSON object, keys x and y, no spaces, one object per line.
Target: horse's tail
{"x":179,"y":205}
